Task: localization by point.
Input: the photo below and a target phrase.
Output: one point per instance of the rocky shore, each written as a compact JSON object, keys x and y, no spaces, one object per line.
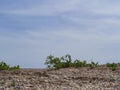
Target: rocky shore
{"x":99,"y":78}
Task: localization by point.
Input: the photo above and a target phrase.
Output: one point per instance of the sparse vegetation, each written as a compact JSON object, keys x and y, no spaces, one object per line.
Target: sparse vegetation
{"x":78,"y":63}
{"x":93,"y":64}
{"x":15,"y":67}
{"x":4,"y":66}
{"x":112,"y":66}
{"x":66,"y":61}
{"x":13,"y":83}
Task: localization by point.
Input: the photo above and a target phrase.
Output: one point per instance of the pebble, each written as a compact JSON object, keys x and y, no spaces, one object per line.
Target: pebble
{"x":63,"y":79}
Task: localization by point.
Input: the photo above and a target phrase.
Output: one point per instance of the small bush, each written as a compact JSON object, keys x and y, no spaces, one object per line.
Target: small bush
{"x":4,"y":66}
{"x":53,"y":62}
{"x":112,"y":66}
{"x":78,"y":63}
{"x":15,"y":67}
{"x":93,"y":64}
{"x":66,"y":61}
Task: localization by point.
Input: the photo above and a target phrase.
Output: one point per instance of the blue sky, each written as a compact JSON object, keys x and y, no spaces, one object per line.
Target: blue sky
{"x":30,"y":30}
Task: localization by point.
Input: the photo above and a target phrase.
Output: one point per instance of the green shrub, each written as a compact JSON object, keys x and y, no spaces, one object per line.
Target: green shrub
{"x":4,"y":66}
{"x":66,"y":61}
{"x":56,"y":62}
{"x":78,"y":63}
{"x":93,"y":64}
{"x":112,"y":66}
{"x":53,"y":62}
{"x":15,"y":67}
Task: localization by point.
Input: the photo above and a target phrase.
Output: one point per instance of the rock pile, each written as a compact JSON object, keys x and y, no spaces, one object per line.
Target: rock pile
{"x":99,"y":78}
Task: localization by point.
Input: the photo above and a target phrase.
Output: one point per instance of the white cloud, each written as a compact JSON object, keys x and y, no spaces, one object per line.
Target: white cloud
{"x":47,"y":8}
{"x":106,"y":8}
{"x":53,"y":7}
